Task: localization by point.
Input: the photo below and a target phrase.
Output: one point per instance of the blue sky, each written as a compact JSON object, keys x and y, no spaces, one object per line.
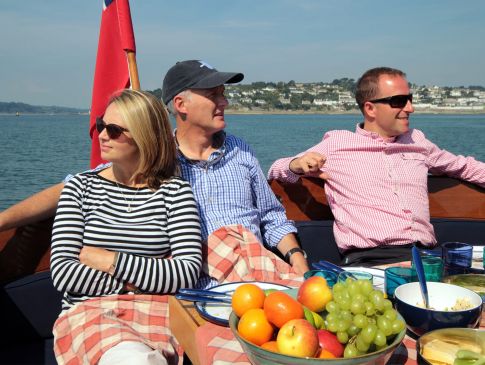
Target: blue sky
{"x":49,"y":47}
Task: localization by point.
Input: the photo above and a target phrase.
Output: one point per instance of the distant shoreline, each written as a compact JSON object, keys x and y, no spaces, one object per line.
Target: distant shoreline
{"x":350,"y":112}
{"x":291,"y":112}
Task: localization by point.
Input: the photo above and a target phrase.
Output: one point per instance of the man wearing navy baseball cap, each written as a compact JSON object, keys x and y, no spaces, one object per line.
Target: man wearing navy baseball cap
{"x":229,"y":185}
{"x":195,"y":75}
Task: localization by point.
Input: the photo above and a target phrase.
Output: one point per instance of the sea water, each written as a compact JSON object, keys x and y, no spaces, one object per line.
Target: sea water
{"x":37,"y":151}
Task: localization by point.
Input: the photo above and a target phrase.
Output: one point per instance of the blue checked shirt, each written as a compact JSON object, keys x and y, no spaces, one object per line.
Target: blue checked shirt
{"x":230,"y":188}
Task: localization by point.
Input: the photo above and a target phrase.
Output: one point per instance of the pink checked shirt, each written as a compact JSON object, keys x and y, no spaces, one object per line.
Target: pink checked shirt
{"x":378,"y":189}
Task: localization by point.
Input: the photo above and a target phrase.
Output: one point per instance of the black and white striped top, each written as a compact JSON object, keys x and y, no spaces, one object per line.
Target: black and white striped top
{"x":159,"y":240}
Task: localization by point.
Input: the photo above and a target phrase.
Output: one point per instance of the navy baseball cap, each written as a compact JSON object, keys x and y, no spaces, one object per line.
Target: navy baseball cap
{"x":194,"y":74}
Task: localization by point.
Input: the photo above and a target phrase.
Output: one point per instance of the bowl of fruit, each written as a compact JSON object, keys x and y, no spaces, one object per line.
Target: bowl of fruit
{"x":349,"y":324}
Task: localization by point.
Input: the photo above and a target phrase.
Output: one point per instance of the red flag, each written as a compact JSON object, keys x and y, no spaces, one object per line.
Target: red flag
{"x":115,"y":38}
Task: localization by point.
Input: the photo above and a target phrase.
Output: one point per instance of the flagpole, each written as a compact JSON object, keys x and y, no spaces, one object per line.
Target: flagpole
{"x":133,"y":70}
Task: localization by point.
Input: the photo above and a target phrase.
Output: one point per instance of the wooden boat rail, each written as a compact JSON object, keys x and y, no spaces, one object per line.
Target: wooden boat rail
{"x":26,"y":250}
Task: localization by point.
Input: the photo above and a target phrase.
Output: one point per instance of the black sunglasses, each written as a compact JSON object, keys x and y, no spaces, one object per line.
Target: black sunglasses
{"x":114,"y":131}
{"x":396,"y":101}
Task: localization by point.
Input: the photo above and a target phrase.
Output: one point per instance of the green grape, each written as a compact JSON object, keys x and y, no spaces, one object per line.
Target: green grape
{"x":332,"y":307}
{"x":344,"y":304}
{"x":369,"y":333}
{"x":360,"y":320}
{"x":338,"y":297}
{"x":343,"y":325}
{"x":378,"y":302}
{"x":390,"y":314}
{"x":342,"y":337}
{"x":357,"y":307}
{"x":370,"y":309}
{"x":372,"y":320}
{"x":332,"y":327}
{"x":346,"y":315}
{"x":353,"y":330}
{"x":359,"y":297}
{"x":384,"y":325}
{"x":353,"y":288}
{"x":397,"y":326}
{"x":361,"y":344}
{"x":350,"y":351}
{"x":376,"y":294}
{"x":338,"y":287}
{"x":380,"y":339}
{"x":366,"y":287}
{"x":332,"y":317}
{"x":387,"y":304}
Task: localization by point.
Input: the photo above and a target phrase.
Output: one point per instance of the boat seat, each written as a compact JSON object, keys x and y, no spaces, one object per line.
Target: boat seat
{"x":29,"y":308}
{"x":317,"y":239}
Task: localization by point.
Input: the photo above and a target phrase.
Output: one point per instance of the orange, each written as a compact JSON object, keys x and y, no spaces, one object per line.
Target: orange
{"x":279,"y":308}
{"x":254,"y":327}
{"x":247,"y":296}
{"x":270,"y":346}
{"x":325,"y":354}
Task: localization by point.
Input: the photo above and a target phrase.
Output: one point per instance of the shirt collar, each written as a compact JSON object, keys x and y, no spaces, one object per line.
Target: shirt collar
{"x":219,"y":141}
{"x":359,"y":129}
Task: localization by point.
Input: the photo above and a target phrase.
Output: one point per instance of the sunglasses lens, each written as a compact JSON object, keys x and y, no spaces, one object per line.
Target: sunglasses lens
{"x":99,"y":125}
{"x":113,"y":131}
{"x":400,"y":101}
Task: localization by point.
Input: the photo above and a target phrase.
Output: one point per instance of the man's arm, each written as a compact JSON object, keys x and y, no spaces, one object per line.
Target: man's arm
{"x":297,"y":260}
{"x":308,"y":163}
{"x":33,"y":209}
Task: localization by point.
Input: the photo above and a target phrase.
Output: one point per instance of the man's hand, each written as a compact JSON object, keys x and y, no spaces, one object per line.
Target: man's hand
{"x":299,"y":263}
{"x":96,"y":258}
{"x":309,"y":164}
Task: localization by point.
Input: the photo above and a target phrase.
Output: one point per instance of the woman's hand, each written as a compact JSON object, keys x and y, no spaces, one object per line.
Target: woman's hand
{"x":97,"y":258}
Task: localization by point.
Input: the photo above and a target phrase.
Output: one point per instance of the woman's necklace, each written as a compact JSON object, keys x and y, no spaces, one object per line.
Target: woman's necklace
{"x":128,"y":209}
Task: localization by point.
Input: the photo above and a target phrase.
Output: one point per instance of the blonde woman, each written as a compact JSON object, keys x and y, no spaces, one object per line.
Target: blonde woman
{"x":122,"y":235}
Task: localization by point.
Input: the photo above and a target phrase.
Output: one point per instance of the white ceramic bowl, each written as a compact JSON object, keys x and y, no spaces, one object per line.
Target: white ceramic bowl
{"x":442,"y":297}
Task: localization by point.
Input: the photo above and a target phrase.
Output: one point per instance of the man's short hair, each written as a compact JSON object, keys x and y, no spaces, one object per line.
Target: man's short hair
{"x":367,"y":87}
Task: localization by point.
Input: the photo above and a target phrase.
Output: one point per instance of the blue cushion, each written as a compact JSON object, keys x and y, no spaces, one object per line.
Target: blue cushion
{"x":30,"y":307}
{"x":316,"y":238}
{"x":455,"y":230}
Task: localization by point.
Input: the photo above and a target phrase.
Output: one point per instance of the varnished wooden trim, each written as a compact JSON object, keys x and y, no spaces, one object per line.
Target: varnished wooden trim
{"x":448,"y":198}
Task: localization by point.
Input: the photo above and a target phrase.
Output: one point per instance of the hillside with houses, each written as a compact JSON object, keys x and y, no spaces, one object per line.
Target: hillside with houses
{"x":338,"y":96}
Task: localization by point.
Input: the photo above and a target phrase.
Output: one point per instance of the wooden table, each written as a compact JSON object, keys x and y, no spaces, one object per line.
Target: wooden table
{"x":184,"y":321}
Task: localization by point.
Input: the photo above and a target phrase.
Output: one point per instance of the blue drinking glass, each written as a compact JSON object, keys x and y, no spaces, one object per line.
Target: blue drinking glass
{"x":398,"y":275}
{"x":328,"y":275}
{"x":457,"y":257}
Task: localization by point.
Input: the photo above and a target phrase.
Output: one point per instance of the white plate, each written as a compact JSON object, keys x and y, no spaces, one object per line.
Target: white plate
{"x":219,"y":313}
{"x":377,"y":275}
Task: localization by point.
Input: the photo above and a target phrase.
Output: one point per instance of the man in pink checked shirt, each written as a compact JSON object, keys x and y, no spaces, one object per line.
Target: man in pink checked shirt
{"x":376,"y":178}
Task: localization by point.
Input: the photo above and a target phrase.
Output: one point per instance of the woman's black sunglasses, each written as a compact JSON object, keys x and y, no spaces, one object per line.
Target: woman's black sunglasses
{"x":114,"y":131}
{"x":396,"y":101}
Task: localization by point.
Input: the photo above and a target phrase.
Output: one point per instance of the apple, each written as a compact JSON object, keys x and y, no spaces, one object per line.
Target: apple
{"x":328,"y":341}
{"x":297,"y":337}
{"x":314,"y":293}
